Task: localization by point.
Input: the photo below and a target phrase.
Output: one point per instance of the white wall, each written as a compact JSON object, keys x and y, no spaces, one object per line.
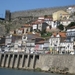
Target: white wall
{"x":68,"y":46}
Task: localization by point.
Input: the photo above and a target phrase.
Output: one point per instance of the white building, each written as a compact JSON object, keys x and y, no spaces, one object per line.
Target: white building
{"x":66,"y":46}
{"x":37,"y":25}
{"x":71,"y":10}
{"x":60,"y":43}
{"x":70,"y":33}
{"x":55,"y":42}
{"x":65,"y":22}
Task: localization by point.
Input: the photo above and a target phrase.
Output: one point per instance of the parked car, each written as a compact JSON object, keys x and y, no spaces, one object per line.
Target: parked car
{"x":6,"y":49}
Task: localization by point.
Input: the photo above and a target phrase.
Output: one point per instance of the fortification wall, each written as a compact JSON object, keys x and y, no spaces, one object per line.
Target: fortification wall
{"x":37,"y":12}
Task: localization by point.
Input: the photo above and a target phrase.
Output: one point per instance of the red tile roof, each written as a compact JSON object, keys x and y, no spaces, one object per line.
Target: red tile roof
{"x":40,"y":42}
{"x":37,"y":22}
{"x":20,"y":28}
{"x":62,"y":34}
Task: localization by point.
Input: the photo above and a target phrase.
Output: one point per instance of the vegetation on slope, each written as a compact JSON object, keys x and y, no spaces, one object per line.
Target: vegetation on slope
{"x":45,"y":34}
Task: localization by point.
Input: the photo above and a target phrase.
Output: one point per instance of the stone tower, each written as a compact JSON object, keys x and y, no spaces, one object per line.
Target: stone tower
{"x":7,"y":15}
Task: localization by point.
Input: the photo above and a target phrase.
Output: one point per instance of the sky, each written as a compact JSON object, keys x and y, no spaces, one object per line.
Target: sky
{"x":18,"y":5}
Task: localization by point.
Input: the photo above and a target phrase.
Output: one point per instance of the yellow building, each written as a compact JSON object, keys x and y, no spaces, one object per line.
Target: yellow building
{"x":60,"y":15}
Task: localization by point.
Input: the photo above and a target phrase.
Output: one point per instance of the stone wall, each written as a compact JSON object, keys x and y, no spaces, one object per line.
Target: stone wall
{"x":37,"y":12}
{"x":58,"y":63}
{"x":46,"y":62}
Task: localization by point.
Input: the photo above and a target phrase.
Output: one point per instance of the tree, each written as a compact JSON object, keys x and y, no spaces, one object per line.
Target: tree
{"x":45,"y":16}
{"x":43,"y":32}
{"x":7,"y":27}
{"x":61,"y":27}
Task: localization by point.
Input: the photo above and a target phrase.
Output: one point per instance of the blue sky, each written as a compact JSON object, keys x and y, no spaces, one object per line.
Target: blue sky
{"x":17,"y":5}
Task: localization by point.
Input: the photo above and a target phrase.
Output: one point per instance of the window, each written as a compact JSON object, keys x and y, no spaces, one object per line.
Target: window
{"x":24,"y":37}
{"x":60,"y":16}
{"x":56,"y":41}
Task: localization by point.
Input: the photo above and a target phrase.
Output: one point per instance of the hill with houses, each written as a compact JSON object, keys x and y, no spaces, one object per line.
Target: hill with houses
{"x":16,"y":19}
{"x":54,"y":32}
{"x":37,"y":32}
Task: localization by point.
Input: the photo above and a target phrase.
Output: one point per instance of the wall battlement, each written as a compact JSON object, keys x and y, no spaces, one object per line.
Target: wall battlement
{"x":37,"y":12}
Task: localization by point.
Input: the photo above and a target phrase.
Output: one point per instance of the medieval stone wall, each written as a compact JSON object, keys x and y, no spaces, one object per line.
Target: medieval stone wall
{"x":37,"y":12}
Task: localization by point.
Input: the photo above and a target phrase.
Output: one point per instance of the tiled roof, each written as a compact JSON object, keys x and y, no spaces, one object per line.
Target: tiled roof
{"x":66,"y":14}
{"x":40,"y":42}
{"x":37,"y":22}
{"x":62,"y":34}
{"x":11,"y":30}
{"x":17,"y":34}
{"x":49,"y":18}
{"x":65,"y":20}
{"x":53,"y":30}
{"x":32,"y":36}
{"x":20,"y":28}
{"x":41,"y":17}
{"x":73,"y":27}
{"x":73,"y":6}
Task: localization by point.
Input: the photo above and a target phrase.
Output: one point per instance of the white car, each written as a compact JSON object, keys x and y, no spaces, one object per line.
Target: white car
{"x":6,"y":49}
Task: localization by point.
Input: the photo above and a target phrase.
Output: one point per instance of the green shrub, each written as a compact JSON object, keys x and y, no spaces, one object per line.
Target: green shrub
{"x":38,"y":69}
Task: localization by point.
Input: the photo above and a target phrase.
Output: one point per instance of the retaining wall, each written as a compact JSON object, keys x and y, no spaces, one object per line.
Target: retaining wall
{"x":64,"y":63}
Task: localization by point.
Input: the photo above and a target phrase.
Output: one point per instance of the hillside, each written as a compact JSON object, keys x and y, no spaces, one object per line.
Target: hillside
{"x":19,"y":18}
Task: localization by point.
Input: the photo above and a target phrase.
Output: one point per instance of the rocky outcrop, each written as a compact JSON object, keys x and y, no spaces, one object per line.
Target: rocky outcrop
{"x":45,"y":68}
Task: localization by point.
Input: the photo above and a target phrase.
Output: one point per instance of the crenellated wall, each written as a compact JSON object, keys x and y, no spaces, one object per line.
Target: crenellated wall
{"x":56,"y":63}
{"x":37,"y":12}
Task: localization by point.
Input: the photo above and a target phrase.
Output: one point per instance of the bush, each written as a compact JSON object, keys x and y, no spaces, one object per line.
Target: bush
{"x":38,"y":69}
{"x":61,"y":27}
